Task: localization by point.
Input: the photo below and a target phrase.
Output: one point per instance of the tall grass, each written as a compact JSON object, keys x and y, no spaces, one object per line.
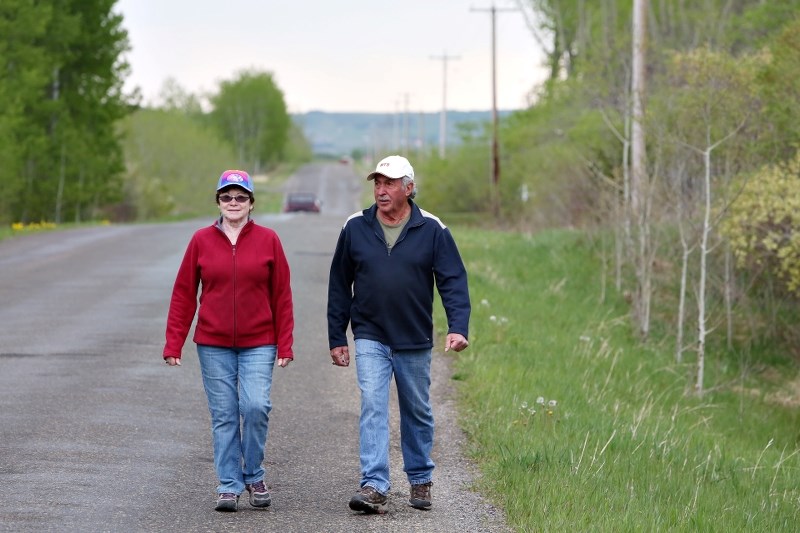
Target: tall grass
{"x":577,"y":426}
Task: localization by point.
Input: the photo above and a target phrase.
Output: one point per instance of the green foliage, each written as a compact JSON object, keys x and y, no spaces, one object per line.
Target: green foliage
{"x":710,"y":95}
{"x":778,"y":83}
{"x":298,"y":149}
{"x":176,"y":152}
{"x":623,"y":447}
{"x":251,"y":113}
{"x":457,"y":184}
{"x":763,"y":224}
{"x":759,"y":22}
{"x":173,"y":163}
{"x":174,"y":97}
{"x":548,"y":149}
{"x":59,"y":104}
{"x":22,"y":61}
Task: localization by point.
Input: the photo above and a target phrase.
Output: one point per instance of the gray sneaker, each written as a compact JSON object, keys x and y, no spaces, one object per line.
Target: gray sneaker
{"x":259,"y":495}
{"x":227,"y":502}
{"x":369,"y":500}
{"x":421,"y":496}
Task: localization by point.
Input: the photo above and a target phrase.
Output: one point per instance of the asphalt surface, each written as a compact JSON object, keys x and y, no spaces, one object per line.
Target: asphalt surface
{"x":97,"y":434}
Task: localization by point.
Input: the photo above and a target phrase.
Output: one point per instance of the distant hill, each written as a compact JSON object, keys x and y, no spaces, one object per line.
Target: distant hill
{"x":339,"y":134}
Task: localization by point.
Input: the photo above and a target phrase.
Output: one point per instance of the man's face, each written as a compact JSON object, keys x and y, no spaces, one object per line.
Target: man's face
{"x":390,"y":195}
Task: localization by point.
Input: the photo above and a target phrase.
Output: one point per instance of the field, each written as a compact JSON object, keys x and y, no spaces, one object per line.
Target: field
{"x":578,"y":426}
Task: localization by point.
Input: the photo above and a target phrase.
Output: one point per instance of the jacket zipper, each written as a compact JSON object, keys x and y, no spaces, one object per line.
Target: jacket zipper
{"x":233,"y":250}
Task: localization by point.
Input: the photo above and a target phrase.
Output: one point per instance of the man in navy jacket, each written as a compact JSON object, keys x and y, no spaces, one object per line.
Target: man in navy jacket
{"x":383,"y":271}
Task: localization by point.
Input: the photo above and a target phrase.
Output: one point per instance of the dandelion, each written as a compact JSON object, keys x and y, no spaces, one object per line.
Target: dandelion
{"x":493,"y":318}
{"x":552,"y":403}
{"x":585,"y":338}
{"x":540,"y":400}
{"x":503,"y":320}
{"x":485,"y":302}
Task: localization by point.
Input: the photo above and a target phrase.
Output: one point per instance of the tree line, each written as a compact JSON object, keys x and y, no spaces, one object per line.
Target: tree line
{"x":703,"y":239}
{"x":60,"y":99}
{"x":75,"y":147}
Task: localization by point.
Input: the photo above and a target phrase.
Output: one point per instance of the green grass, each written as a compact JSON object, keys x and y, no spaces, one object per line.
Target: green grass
{"x":626,"y":447}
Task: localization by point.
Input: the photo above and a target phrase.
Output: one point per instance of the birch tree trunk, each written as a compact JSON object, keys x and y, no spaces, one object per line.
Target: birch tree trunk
{"x":701,"y":295}
{"x":686,"y":252}
{"x":639,"y":170}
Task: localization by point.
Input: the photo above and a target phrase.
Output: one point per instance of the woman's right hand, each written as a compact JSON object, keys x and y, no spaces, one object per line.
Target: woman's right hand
{"x":172,"y":361}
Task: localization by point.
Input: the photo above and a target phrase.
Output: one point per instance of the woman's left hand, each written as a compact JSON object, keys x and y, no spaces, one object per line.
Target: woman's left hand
{"x":283,"y":361}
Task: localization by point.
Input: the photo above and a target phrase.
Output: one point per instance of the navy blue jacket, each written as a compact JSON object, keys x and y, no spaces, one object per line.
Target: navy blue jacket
{"x":387,"y":296}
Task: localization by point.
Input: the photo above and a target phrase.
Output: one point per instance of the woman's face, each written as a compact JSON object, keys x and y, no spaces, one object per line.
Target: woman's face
{"x":234,"y":204}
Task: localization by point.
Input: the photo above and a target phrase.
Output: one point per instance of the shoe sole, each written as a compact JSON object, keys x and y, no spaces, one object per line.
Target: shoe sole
{"x":423,"y":506}
{"x":261,"y":502}
{"x":369,"y":508}
{"x":226,"y":507}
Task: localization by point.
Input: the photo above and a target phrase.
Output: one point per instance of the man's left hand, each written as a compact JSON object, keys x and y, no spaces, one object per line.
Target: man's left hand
{"x":456,"y":341}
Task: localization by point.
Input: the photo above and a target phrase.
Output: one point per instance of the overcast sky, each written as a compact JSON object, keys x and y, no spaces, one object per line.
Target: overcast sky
{"x":337,"y":55}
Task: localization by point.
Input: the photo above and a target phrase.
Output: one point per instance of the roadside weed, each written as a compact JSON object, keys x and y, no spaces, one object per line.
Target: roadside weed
{"x":576,"y":425}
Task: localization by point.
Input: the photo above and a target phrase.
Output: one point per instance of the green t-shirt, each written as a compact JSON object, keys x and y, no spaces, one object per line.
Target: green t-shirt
{"x":392,"y":232}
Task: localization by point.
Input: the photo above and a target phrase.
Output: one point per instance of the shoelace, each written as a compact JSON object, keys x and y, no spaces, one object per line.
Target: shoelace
{"x":258,"y":486}
{"x":420,"y":491}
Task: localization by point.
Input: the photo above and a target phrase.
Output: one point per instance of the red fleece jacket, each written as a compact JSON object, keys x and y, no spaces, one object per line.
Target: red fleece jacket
{"x":246,"y":297}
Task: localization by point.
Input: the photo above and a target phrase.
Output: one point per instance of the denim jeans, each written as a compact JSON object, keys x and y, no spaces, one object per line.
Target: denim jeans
{"x":375,"y":365}
{"x":237,"y":383}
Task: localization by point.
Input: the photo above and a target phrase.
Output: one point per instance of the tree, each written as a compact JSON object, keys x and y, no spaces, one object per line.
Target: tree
{"x":90,"y":75}
{"x":23,"y":63}
{"x":173,"y":96}
{"x":764,"y":223}
{"x":171,"y":158}
{"x":779,"y":87}
{"x":250,"y":111}
{"x":65,"y":65}
{"x":709,"y":99}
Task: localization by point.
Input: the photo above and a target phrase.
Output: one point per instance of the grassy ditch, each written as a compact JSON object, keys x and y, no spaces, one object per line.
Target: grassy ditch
{"x":578,"y":426}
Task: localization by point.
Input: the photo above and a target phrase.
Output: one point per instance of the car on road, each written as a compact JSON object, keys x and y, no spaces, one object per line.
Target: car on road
{"x":302,"y":201}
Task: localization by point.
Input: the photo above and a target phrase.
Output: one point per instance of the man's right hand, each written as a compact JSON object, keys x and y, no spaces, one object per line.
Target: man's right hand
{"x":340,"y":356}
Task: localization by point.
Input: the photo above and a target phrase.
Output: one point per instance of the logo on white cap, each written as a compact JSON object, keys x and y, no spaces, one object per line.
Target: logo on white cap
{"x":394,"y":167}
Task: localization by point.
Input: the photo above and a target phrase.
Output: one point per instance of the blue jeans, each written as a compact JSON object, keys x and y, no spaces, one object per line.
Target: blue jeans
{"x":375,"y":364}
{"x":238,"y":383}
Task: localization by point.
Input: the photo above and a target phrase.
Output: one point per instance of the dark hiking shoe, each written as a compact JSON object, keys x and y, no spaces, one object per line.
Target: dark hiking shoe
{"x":227,"y":502}
{"x":368,"y":500}
{"x":421,"y":496}
{"x":259,"y":495}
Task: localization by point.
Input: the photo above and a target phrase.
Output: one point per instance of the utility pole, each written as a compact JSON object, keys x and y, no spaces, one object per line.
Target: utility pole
{"x":443,"y":117}
{"x":495,"y":145}
{"x":396,"y":126}
{"x":405,"y":124}
{"x":421,"y":142}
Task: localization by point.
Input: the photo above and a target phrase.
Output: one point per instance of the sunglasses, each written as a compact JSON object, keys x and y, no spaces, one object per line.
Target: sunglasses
{"x":240,"y":198}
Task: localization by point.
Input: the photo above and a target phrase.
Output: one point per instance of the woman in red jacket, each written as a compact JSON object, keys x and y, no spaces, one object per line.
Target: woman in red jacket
{"x":244,"y":326}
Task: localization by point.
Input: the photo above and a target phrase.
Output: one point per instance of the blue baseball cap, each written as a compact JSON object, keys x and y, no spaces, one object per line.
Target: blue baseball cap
{"x":239,"y":178}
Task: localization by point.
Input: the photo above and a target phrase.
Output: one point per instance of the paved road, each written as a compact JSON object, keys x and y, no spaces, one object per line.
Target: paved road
{"x":97,"y":434}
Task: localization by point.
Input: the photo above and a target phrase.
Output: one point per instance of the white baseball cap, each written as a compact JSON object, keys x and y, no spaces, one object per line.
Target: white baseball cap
{"x":394,"y":167}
